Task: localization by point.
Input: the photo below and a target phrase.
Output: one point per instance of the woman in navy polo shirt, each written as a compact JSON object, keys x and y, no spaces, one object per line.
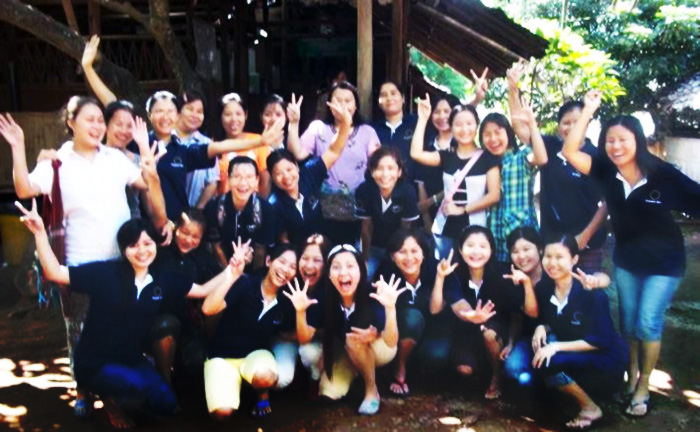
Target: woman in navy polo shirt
{"x":124,"y":300}
{"x":253,"y":314}
{"x":384,"y":202}
{"x":640,"y":192}
{"x":360,"y":330}
{"x":296,"y":189}
{"x":479,"y":189}
{"x":483,"y":300}
{"x":577,"y":350}
{"x":241,"y":213}
{"x":429,"y":336}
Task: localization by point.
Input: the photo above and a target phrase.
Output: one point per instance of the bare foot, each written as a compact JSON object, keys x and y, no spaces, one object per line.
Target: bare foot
{"x":585,"y":418}
{"x":116,"y":416}
{"x":494,"y":391}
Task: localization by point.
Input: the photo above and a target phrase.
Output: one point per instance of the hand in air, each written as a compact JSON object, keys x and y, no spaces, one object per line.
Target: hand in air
{"x":387,"y":293}
{"x":90,"y":51}
{"x":480,"y":314}
{"x":589,"y":282}
{"x":424,"y":108}
{"x":299,"y":296}
{"x":11,"y":131}
{"x":517,"y":276}
{"x":445,"y":266}
{"x":592,"y":100}
{"x":31,"y":218}
{"x":294,"y":109}
{"x":481,"y":83}
{"x":238,"y":259}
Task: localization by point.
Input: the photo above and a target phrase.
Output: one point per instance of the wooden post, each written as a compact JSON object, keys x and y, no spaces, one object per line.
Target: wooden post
{"x":364,"y":57}
{"x":94,"y":25}
{"x":240,"y":24}
{"x":225,"y":50}
{"x":399,"y":38}
{"x":70,"y":15}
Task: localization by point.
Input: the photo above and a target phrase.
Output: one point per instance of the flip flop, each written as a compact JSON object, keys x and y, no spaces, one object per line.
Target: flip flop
{"x":404,"y":393}
{"x":83,"y":407}
{"x":262,"y":409}
{"x":369,"y":407}
{"x":629,"y":412}
{"x":582,"y":421}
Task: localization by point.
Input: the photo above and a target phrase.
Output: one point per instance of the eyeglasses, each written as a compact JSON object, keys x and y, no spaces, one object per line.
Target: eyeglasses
{"x":342,"y":247}
{"x":231,"y":97}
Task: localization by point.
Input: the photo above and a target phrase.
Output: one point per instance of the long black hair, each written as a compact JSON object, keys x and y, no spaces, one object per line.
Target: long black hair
{"x":457,"y":109}
{"x":333,"y":300}
{"x":128,"y":235}
{"x":357,"y":119}
{"x":645,"y":160}
{"x":499,"y":120}
{"x":490,"y":268}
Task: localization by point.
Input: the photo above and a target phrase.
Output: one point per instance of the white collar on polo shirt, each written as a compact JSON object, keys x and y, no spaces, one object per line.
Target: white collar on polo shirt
{"x":348,"y":311}
{"x":560,"y":305}
{"x":300,"y":205}
{"x":385,"y":204}
{"x":628,"y":187}
{"x":413,"y":290}
{"x":475,"y":287}
{"x":140,"y":285}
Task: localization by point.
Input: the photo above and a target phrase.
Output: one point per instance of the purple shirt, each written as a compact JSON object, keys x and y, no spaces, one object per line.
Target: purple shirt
{"x":350,"y":168}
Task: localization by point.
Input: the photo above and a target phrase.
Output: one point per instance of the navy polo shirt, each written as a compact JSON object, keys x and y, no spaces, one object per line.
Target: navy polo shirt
{"x":173,"y":169}
{"x":400,"y":138}
{"x":224,"y":224}
{"x":647,"y":239}
{"x":418,"y":299}
{"x":373,"y":314}
{"x":386,"y":215}
{"x":118,"y":322}
{"x":299,"y":226}
{"x":430,"y":176}
{"x":242,"y":329}
{"x":568,"y":199}
{"x":505,"y":296}
{"x":586,"y":315}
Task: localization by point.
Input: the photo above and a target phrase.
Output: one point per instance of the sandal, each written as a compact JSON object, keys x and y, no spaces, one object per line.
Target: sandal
{"x":369,"y":406}
{"x":262,"y":408}
{"x":584,"y":420}
{"x":631,"y":410}
{"x":116,"y":416}
{"x":400,"y":388}
{"x":83,"y":406}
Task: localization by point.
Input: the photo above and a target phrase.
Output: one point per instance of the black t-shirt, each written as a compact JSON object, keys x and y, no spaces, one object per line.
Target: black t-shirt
{"x":172,"y":170}
{"x":568,"y":199}
{"x":399,"y":138}
{"x":297,"y":226}
{"x":118,"y":322}
{"x":224,"y":224}
{"x":242,"y":329}
{"x":372,"y":315}
{"x":472,"y":188}
{"x":386,"y":215}
{"x":647,"y":239}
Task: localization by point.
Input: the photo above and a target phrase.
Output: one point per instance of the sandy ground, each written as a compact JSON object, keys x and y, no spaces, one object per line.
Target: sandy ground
{"x":36,"y":389}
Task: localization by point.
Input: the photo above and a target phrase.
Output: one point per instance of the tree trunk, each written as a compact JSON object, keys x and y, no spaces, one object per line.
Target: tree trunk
{"x":29,"y":19}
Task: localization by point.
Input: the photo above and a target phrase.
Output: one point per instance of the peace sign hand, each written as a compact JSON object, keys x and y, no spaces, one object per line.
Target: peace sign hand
{"x":31,"y":219}
{"x":149,"y":161}
{"x":481,"y":84}
{"x":445,"y":266}
{"x":589,"y":282}
{"x":13,"y":133}
{"x":387,"y":293}
{"x":424,"y":108}
{"x":299,"y":296}
{"x":238,"y":259}
{"x":515,"y":73}
{"x":517,"y":276}
{"x":340,"y":112}
{"x":294,"y":109}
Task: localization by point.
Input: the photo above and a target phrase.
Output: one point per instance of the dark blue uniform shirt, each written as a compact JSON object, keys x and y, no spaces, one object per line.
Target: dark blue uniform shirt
{"x":400,"y":138}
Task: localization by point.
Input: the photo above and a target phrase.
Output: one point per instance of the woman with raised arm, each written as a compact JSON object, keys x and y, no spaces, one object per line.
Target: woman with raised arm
{"x":342,"y":123}
{"x":360,"y":327}
{"x":125,"y":296}
{"x":640,"y":192}
{"x":296,"y":188}
{"x":471,"y":178}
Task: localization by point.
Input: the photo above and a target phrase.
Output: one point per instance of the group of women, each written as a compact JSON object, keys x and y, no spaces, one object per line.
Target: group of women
{"x":348,"y":247}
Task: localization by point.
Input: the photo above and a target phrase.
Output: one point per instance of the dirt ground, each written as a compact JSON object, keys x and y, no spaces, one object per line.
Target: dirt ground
{"x":36,"y":389}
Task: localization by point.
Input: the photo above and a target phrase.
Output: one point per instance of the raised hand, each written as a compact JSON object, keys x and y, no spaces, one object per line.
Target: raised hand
{"x":299,"y":296}
{"x":387,"y":293}
{"x":11,"y":131}
{"x":539,"y":338}
{"x":167,"y":233}
{"x":517,"y":276}
{"x":592,"y":100}
{"x":149,"y":160}
{"x":515,"y":73}
{"x":294,"y":109}
{"x":525,"y":114}
{"x":359,"y":335}
{"x":340,"y":112}
{"x":445,"y":266}
{"x":90,"y":52}
{"x":480,"y":314}
{"x":139,"y":132}
{"x":544,"y":355}
{"x":481,"y":83}
{"x":239,"y":258}
{"x":31,"y":218}
{"x":274,"y":134}
{"x":589,"y":282}
{"x":424,"y":108}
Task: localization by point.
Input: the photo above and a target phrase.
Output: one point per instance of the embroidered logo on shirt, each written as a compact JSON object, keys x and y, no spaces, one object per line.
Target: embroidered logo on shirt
{"x":313,"y":201}
{"x":576,"y":320}
{"x":396,"y":208}
{"x":654,"y":197}
{"x":157,"y":294}
{"x":177,"y":162}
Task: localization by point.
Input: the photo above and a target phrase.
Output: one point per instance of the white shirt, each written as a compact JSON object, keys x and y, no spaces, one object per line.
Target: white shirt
{"x":94,"y":200}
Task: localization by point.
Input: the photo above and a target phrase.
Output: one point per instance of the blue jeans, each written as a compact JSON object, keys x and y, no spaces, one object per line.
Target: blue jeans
{"x":443,"y":246}
{"x":133,"y":383}
{"x":376,"y":256}
{"x":518,"y":365}
{"x":643,"y":301}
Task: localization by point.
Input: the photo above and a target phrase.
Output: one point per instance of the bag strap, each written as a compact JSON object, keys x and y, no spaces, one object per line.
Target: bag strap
{"x":462,"y":174}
